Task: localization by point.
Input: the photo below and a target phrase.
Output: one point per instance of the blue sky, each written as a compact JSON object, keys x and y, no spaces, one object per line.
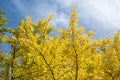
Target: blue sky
{"x":102,"y":16}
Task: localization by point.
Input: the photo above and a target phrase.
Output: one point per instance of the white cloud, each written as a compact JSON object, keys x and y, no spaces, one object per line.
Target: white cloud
{"x":101,"y":15}
{"x":105,"y":12}
{"x":39,"y":10}
{"x":65,"y":3}
{"x":62,"y":19}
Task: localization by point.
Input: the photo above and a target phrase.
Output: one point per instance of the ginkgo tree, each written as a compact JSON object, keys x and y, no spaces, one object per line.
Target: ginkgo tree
{"x":4,"y":58}
{"x":72,"y":54}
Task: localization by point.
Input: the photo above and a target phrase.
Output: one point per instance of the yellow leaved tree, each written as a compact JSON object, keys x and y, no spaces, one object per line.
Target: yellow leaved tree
{"x":70,"y":55}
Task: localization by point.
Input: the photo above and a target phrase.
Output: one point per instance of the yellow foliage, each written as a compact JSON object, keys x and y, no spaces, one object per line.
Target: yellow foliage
{"x":71,"y":55}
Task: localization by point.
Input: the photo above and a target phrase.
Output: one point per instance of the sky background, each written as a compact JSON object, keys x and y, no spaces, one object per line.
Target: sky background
{"x":102,"y":16}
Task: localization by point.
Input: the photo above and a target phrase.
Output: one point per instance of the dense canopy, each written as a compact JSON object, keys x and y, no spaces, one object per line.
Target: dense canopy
{"x":72,"y":54}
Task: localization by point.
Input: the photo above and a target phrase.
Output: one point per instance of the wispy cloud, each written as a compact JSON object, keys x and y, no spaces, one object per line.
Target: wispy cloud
{"x":39,"y":9}
{"x":103,"y":16}
{"x":102,"y":11}
{"x":100,"y":15}
{"x":65,"y":3}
